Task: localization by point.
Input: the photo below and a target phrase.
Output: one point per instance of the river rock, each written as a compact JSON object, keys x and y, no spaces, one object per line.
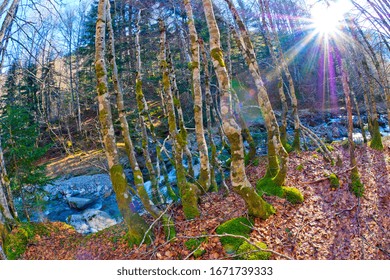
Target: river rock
{"x":79,"y":203}
{"x":91,"y":221}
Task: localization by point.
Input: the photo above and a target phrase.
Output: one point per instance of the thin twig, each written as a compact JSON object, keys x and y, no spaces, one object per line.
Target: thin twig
{"x":327,"y":178}
{"x":154,"y":222}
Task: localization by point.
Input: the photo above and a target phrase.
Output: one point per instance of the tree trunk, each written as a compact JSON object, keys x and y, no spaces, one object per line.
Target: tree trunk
{"x":188,"y":191}
{"x":255,"y":204}
{"x":137,"y":227}
{"x":356,"y":186}
{"x":143,"y":115}
{"x":294,"y":101}
{"x":282,"y":96}
{"x":209,"y":105}
{"x":204,"y":175}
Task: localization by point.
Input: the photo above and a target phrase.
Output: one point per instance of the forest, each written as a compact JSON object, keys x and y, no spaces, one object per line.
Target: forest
{"x":194,"y":129}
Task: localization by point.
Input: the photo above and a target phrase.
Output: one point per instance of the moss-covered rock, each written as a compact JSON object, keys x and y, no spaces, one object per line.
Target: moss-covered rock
{"x":334,"y":181}
{"x":247,"y":251}
{"x":239,"y":226}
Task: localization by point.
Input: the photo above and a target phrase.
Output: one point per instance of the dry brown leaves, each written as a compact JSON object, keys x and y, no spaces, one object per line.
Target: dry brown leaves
{"x":330,"y":224}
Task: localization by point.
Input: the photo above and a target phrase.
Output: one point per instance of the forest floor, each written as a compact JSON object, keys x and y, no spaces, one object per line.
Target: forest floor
{"x":329,"y":224}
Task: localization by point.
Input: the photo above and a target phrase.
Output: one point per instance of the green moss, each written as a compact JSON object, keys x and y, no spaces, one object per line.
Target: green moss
{"x":248,"y":251}
{"x":192,"y":65}
{"x":334,"y":181}
{"x":315,"y":156}
{"x":376,"y":141}
{"x":296,"y":145}
{"x":293,"y":195}
{"x":169,"y":227}
{"x":238,"y":226}
{"x":17,"y":241}
{"x":299,"y":167}
{"x":193,"y":243}
{"x":189,"y":200}
{"x":356,"y":186}
{"x":267,"y":186}
{"x":217,"y":54}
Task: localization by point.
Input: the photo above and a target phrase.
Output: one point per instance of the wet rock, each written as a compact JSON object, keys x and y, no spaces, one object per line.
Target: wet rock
{"x":79,"y":203}
{"x":91,"y":221}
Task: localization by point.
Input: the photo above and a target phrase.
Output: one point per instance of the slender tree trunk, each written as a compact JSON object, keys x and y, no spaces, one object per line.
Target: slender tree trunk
{"x":9,"y":17}
{"x":209,"y":104}
{"x":180,"y":116}
{"x":188,"y":191}
{"x":275,"y":147}
{"x":5,"y":182}
{"x":137,"y":174}
{"x":143,"y":115}
{"x":356,"y":186}
{"x":282,"y":96}
{"x":137,"y":227}
{"x":255,"y":204}
{"x":204,"y":175}
{"x":294,"y":101}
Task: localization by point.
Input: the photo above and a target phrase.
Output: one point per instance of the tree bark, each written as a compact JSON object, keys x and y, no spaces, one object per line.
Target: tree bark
{"x":204,"y":175}
{"x":255,"y":204}
{"x":188,"y":191}
{"x":137,"y":227}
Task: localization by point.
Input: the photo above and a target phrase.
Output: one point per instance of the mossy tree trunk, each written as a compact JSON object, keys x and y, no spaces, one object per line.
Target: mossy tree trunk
{"x":255,"y":204}
{"x":188,"y":191}
{"x":143,"y":114}
{"x":136,"y":226}
{"x":5,"y":182}
{"x":282,"y":96}
{"x":215,"y":163}
{"x":204,"y":175}
{"x":276,"y":169}
{"x":294,"y":102}
{"x":380,"y":69}
{"x":137,"y":174}
{"x":356,"y":185}
{"x":277,"y":155}
{"x":180,"y":116}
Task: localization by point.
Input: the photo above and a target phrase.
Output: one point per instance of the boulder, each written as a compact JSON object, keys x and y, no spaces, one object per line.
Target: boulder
{"x":79,"y":203}
{"x":98,"y":220}
{"x":91,"y":221}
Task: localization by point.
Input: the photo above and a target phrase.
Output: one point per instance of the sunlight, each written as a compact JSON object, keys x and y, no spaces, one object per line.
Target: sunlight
{"x":325,"y":21}
{"x":327,"y":18}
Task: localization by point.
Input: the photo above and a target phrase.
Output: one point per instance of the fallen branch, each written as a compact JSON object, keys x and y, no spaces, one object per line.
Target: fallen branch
{"x":241,"y":237}
{"x":345,"y":210}
{"x":154,"y":222}
{"x":327,"y":178}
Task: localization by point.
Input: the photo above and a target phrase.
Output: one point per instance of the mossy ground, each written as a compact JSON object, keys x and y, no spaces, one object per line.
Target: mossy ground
{"x":248,"y":251}
{"x":16,"y":242}
{"x":239,"y":226}
{"x":267,"y":186}
{"x":194,"y":244}
{"x":334,"y":181}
